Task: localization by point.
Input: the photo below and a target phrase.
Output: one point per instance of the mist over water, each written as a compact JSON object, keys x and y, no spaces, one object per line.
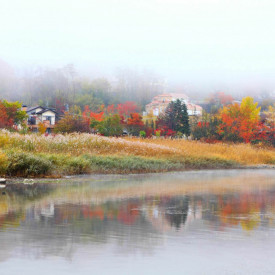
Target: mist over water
{"x":198,"y":46}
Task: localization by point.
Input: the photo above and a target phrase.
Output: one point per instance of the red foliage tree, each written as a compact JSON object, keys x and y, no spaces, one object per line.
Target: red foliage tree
{"x":91,"y":117}
{"x":5,"y":121}
{"x":135,"y":123}
{"x":127,"y":108}
{"x":110,"y":109}
{"x":135,"y":119}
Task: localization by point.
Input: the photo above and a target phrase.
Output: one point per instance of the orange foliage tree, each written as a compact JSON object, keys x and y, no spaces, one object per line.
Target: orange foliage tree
{"x":92,"y":118}
{"x":135,"y":124}
{"x":239,"y":122}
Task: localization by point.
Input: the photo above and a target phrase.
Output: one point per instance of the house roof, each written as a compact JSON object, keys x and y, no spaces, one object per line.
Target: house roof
{"x":33,"y":108}
{"x":46,"y":110}
{"x":29,"y":110}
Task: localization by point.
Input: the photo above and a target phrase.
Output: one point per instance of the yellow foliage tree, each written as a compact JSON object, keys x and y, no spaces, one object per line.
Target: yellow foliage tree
{"x":41,"y":128}
{"x":270,"y":115}
{"x":249,"y":109}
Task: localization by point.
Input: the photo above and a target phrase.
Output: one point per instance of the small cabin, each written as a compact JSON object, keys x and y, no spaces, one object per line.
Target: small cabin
{"x":39,"y":114}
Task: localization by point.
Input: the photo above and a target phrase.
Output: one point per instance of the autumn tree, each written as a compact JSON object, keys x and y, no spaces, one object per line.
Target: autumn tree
{"x":239,"y":121}
{"x":4,"y":119}
{"x":11,"y":114}
{"x":110,"y":126}
{"x":72,"y":123}
{"x":135,"y":124}
{"x":15,"y":112}
{"x":207,"y":129}
{"x":126,"y":108}
{"x":42,"y":128}
{"x":92,"y":118}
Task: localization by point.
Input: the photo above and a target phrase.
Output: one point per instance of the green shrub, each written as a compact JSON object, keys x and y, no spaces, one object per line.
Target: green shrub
{"x":142,"y":134}
{"x":65,"y":164}
{"x":27,"y":164}
{"x":76,"y":165}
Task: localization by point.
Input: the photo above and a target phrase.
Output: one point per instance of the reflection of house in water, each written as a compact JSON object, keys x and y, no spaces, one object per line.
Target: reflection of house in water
{"x":48,"y":211}
{"x":176,"y":211}
{"x":168,"y":213}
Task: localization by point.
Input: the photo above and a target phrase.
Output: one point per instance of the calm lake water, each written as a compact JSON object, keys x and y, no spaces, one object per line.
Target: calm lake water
{"x":202,"y":222}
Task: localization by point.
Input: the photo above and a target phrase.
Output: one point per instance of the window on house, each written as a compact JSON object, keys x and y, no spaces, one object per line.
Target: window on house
{"x":49,"y":118}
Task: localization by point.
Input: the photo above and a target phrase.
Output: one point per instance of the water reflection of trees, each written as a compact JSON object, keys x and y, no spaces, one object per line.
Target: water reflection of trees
{"x":13,"y":201}
{"x":57,"y":225}
{"x":246,"y":209}
{"x":176,"y":211}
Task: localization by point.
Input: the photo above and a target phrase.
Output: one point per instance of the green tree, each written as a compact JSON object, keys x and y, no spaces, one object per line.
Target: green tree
{"x":185,"y":120}
{"x":176,"y":117}
{"x":110,"y":126}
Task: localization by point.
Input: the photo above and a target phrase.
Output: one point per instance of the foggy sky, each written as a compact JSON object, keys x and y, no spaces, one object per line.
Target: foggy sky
{"x":199,"y":44}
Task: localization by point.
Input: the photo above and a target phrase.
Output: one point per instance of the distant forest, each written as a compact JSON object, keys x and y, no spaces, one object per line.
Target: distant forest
{"x":64,"y":87}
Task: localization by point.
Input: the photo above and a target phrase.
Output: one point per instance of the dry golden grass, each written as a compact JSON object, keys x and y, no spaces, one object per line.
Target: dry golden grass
{"x":193,"y":153}
{"x":242,"y":153}
{"x":79,"y":144}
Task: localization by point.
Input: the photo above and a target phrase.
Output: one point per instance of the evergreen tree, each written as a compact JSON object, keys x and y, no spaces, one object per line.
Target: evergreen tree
{"x":152,"y":124}
{"x":185,"y":121}
{"x":176,"y":117}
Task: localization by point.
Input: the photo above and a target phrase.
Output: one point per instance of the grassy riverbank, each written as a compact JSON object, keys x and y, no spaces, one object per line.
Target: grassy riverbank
{"x":34,"y":155}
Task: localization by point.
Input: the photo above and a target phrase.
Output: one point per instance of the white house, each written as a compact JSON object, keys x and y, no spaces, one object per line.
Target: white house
{"x":39,"y":114}
{"x":160,"y":103}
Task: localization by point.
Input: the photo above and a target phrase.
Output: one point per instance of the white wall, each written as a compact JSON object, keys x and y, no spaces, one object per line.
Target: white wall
{"x":49,"y":114}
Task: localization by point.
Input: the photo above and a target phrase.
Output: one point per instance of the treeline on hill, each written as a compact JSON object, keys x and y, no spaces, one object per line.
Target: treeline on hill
{"x":64,"y":89}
